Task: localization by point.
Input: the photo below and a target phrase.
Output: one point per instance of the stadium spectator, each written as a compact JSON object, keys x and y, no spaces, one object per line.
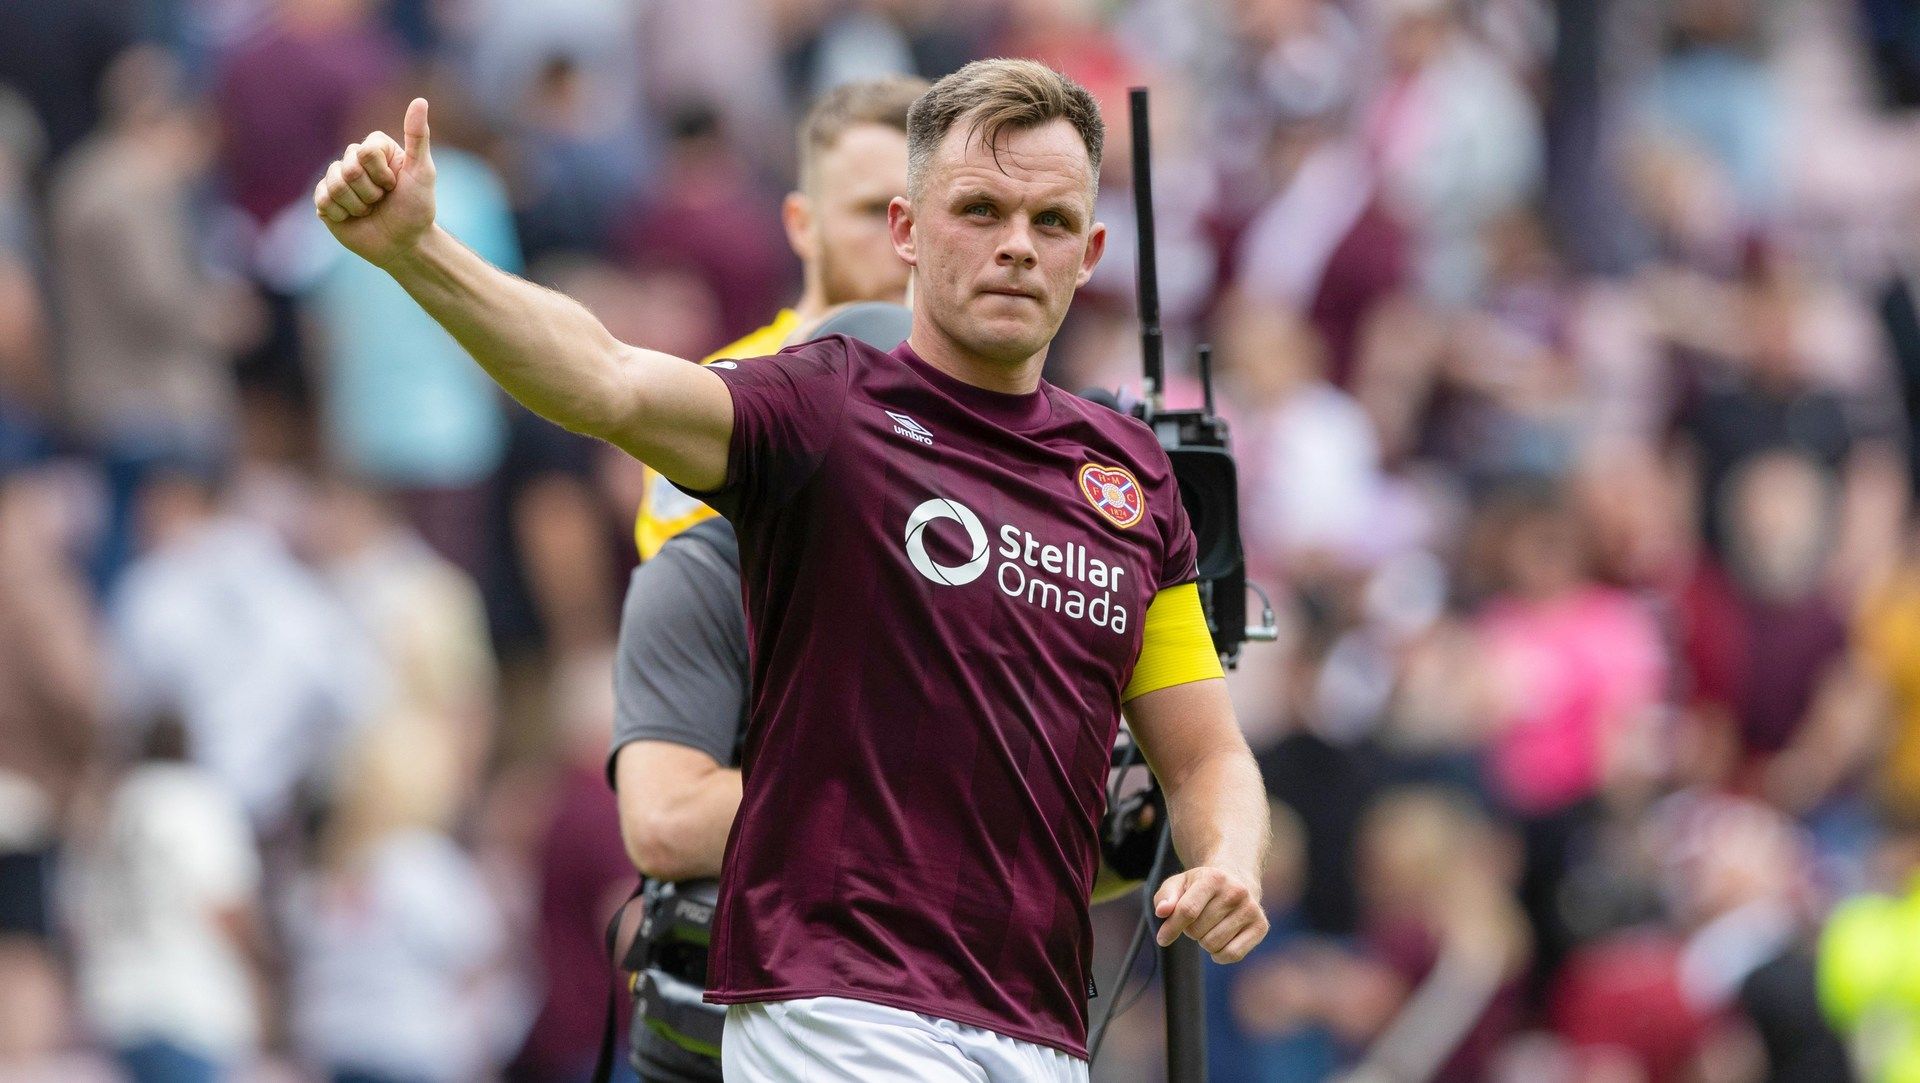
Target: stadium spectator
{"x":1785,"y":374}
{"x":704,"y":215}
{"x":424,"y":615}
{"x":151,"y":334}
{"x":1442,"y":924}
{"x":572,"y":167}
{"x":50,"y":713}
{"x":394,"y":928}
{"x":1309,"y":456}
{"x":583,"y":877}
{"x":168,"y":917}
{"x":1454,"y":140}
{"x":1577,"y":674}
{"x":218,"y":621}
{"x":286,"y":92}
{"x":1773,"y":683}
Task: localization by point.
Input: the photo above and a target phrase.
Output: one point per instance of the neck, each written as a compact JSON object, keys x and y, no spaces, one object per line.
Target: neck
{"x":813,"y":299}
{"x":943,"y":353}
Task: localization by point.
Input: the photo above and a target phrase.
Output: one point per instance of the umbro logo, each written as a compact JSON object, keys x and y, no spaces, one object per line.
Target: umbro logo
{"x":910,"y":428}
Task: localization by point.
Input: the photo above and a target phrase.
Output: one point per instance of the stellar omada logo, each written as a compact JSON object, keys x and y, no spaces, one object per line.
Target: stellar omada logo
{"x":1064,"y":577}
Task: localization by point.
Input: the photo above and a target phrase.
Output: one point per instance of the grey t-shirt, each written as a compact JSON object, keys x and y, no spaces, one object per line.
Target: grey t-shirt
{"x":681,"y":675}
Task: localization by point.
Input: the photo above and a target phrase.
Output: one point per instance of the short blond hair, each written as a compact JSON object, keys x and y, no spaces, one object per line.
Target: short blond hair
{"x":884,"y":102}
{"x":996,"y":95}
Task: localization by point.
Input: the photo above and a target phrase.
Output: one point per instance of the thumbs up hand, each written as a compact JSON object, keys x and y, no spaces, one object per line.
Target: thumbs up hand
{"x":377,"y":200}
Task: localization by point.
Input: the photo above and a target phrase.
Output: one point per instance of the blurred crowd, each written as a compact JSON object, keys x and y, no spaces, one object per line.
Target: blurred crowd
{"x":1572,"y":352}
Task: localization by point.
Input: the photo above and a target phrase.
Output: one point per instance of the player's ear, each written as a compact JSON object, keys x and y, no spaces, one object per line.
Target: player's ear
{"x":900,"y":228}
{"x":796,"y":215}
{"x":1096,"y":247}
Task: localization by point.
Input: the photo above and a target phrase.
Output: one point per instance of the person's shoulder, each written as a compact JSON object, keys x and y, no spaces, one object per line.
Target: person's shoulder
{"x":712,"y":541}
{"x":1104,"y":429}
{"x":706,"y":551}
{"x":759,"y":342}
{"x":832,"y":353}
{"x":840,"y":349}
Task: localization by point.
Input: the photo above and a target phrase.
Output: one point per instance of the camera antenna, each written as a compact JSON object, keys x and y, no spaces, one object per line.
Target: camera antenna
{"x":1206,"y":379}
{"x":1148,"y":271}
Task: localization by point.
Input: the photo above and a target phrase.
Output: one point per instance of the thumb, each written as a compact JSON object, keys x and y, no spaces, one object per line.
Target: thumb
{"x":415,"y":132}
{"x":1169,"y":895}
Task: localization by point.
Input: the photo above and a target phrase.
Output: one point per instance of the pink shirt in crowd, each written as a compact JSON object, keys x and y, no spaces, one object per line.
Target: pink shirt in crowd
{"x":1571,"y":672}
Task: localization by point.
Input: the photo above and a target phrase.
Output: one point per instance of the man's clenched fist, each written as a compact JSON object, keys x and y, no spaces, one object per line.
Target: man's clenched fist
{"x":378,"y":198}
{"x":1216,"y":907}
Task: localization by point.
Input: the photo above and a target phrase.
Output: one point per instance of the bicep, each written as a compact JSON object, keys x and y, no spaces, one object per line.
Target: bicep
{"x":1176,"y":646}
{"x":677,"y":418}
{"x":653,"y":776}
{"x":1182,"y":725}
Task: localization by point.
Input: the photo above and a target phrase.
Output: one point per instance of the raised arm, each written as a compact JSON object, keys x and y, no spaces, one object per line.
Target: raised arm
{"x":544,"y":348}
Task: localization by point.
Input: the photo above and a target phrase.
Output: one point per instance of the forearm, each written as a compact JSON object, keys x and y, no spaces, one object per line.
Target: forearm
{"x":1219,"y":814}
{"x":684,"y":836}
{"x":543,"y":347}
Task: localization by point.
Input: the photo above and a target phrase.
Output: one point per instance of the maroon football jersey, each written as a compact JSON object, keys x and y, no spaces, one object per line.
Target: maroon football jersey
{"x":945,"y":588}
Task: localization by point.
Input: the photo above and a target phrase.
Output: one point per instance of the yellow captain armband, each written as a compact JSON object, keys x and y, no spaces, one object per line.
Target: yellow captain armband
{"x":1176,"y":647}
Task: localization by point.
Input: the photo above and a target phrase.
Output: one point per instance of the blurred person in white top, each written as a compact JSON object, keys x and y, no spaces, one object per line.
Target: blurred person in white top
{"x":216,"y":619}
{"x":1453,"y":138}
{"x":395,"y":933}
{"x":164,"y":903}
{"x":1316,"y":498}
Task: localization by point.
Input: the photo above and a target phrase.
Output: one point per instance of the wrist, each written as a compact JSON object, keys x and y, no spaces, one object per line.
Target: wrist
{"x":426,"y":251}
{"x":1230,"y":863}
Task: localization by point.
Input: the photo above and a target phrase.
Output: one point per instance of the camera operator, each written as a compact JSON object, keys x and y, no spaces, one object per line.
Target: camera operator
{"x":681,"y":683}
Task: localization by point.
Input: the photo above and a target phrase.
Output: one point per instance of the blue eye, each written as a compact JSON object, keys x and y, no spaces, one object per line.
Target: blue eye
{"x":1052,"y":219}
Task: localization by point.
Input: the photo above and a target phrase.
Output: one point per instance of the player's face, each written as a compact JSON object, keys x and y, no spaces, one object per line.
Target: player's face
{"x":852,"y":183}
{"x":999,"y":247}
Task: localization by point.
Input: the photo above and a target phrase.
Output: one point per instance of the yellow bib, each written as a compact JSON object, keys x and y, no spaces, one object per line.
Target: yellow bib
{"x":666,"y":511}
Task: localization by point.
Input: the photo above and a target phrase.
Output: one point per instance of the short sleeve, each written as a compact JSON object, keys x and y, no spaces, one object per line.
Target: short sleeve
{"x":1180,"y":564}
{"x":786,"y":410}
{"x":681,"y":670}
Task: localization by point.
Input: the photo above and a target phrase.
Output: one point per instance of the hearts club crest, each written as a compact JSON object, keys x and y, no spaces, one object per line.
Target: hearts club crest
{"x":1114,"y":493}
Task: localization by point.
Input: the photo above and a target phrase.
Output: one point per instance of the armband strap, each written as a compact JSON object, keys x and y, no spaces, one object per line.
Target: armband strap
{"x":1176,"y":647}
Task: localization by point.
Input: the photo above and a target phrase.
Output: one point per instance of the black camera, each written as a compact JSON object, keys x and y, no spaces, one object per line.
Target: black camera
{"x":676,"y":1033}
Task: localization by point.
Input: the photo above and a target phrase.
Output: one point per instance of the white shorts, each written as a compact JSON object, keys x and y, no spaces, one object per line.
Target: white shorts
{"x":829,"y":1039}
